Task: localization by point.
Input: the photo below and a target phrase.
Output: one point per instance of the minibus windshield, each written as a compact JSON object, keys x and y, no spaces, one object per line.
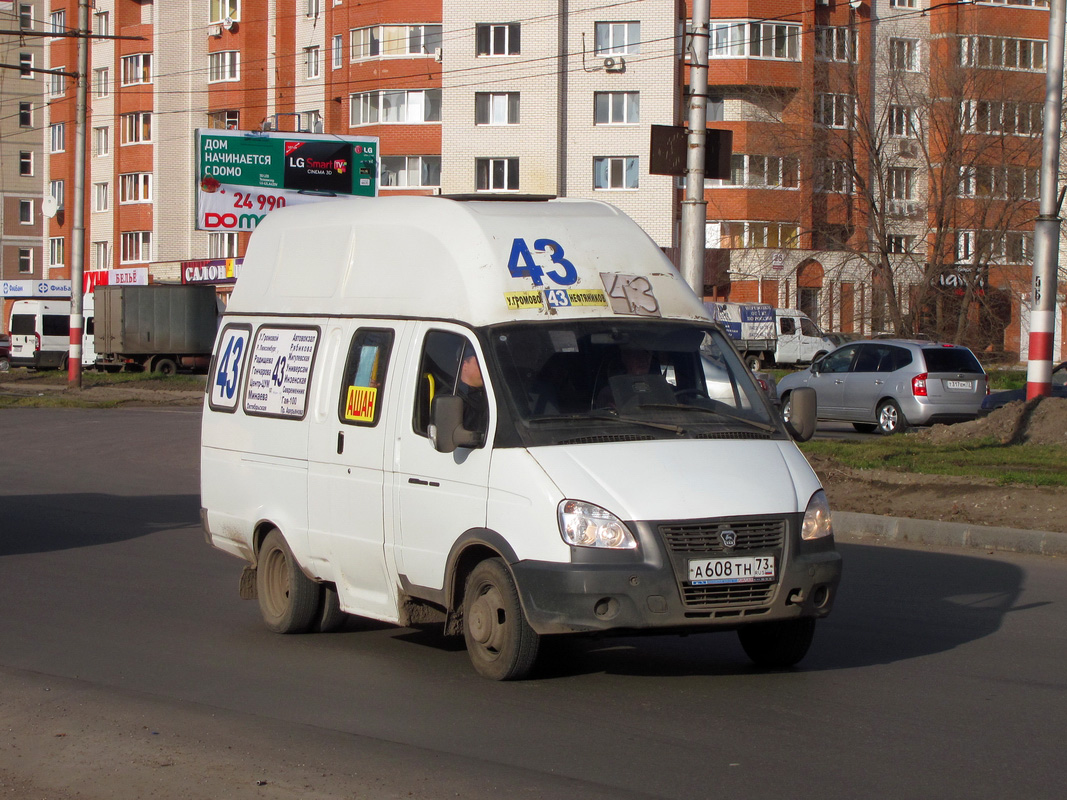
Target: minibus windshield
{"x":662,"y":379}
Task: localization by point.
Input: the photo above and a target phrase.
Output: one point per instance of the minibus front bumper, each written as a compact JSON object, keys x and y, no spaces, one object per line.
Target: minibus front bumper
{"x":649,"y":589}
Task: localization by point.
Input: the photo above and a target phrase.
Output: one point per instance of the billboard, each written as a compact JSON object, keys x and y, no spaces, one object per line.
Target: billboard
{"x":242,"y":176}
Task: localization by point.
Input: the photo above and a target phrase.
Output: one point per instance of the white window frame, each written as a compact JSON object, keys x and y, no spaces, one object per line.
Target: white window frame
{"x":57,"y":191}
{"x":496,"y":108}
{"x":1003,"y":52}
{"x":777,"y":235}
{"x":222,"y":244}
{"x":101,"y":141}
{"x":616,"y":173}
{"x":406,"y":167}
{"x":903,"y":54}
{"x":101,"y":197}
{"x":26,"y":214}
{"x":497,"y":39}
{"x":366,"y":108}
{"x":135,"y":187}
{"x":905,"y":3}
{"x":224,"y":66}
{"x":25,"y":260}
{"x":25,"y":114}
{"x":833,"y":176}
{"x":133,"y":127}
{"x":312,"y":59}
{"x":136,"y":69}
{"x":899,"y":244}
{"x":900,"y":183}
{"x":227,"y":119}
{"x":56,"y":251}
{"x":314,"y":8}
{"x":136,"y":247}
{"x":57,"y":21}
{"x":26,"y":16}
{"x":840,"y":109}
{"x":763,"y":172}
{"x":57,"y":137}
{"x":102,"y":255}
{"x":102,"y":23}
{"x":899,"y":121}
{"x":839,"y":44}
{"x":1001,"y":117}
{"x":621,"y":38}
{"x":777,"y":41}
{"x":26,"y":165}
{"x":394,"y":41}
{"x":337,"y":51}
{"x":102,"y":82}
{"x":509,"y":168}
{"x":57,"y":83}
{"x":616,"y":108}
{"x":219,"y":10}
{"x":26,"y":66}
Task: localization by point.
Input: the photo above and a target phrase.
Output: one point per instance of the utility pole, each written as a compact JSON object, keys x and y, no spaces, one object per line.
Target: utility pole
{"x":77,"y":245}
{"x":1047,"y":227}
{"x":694,"y":207}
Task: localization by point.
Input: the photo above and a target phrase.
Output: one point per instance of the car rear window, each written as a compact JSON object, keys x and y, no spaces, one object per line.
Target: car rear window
{"x":950,"y":359}
{"x":22,"y":325}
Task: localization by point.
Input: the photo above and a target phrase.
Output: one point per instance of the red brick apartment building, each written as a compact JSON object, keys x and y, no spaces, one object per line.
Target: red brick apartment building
{"x":884,"y":173}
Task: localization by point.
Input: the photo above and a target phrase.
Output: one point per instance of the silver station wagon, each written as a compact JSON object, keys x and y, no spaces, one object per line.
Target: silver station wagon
{"x":889,"y":384}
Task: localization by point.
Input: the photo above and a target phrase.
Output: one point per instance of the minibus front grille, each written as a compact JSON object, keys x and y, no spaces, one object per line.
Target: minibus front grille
{"x":735,"y":435}
{"x":706,"y":536}
{"x":602,"y":439}
{"x":730,"y":595}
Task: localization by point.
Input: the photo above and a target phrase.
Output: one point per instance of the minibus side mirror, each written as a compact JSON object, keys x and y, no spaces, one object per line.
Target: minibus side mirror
{"x":801,"y":412}
{"x":446,"y":429}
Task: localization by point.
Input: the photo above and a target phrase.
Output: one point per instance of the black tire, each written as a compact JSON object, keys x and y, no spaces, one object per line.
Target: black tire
{"x":890,"y":418}
{"x":164,"y":366}
{"x":5,"y":364}
{"x":865,"y":427}
{"x":288,"y":599}
{"x":753,"y":362}
{"x":330,"y":616}
{"x":777,"y":645}
{"x":787,"y":406}
{"x":500,"y":642}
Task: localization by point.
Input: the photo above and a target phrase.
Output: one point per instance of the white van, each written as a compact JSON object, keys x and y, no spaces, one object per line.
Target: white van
{"x":496,"y":414}
{"x":40,"y":333}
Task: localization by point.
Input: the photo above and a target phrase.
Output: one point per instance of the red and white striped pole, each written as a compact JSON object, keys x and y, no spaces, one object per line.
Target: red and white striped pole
{"x":1047,"y":227}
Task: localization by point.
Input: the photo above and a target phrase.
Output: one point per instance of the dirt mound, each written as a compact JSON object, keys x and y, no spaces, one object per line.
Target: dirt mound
{"x":1039,"y":421}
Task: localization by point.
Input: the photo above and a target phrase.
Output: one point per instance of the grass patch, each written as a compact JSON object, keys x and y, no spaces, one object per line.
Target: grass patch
{"x":53,"y":401}
{"x":145,"y":380}
{"x":1027,"y":465}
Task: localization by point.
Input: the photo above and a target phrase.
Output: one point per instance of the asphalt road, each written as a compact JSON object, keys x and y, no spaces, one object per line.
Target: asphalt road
{"x":129,"y":667}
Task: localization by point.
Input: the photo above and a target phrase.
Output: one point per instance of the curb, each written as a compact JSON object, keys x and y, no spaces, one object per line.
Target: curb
{"x":901,"y":530}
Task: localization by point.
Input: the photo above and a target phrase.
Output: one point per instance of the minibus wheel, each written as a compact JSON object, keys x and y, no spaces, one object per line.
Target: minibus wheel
{"x":500,"y":642}
{"x":777,"y":645}
{"x":288,"y":599}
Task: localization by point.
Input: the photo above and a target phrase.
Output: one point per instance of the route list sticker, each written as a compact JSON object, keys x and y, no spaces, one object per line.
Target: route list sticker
{"x":280,"y":371}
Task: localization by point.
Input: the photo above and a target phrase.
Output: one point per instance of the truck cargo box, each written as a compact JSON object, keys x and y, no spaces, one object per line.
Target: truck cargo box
{"x":155,"y":319}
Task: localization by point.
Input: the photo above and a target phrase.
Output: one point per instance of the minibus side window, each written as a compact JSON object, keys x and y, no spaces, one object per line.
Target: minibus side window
{"x":449,"y":366}
{"x":22,"y":324}
{"x":55,"y":325}
{"x":363,"y":382}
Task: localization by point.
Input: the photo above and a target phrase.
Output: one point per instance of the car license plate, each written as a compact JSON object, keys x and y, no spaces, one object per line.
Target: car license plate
{"x":731,"y":569}
{"x":959,"y":385}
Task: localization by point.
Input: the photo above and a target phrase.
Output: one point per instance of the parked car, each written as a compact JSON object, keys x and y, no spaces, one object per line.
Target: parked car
{"x":995,"y":400}
{"x":889,"y":384}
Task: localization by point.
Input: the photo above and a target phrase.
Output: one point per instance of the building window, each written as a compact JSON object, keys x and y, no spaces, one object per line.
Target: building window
{"x":390,"y":107}
{"x":833,"y":177}
{"x":222,"y":245}
{"x":137,"y":69}
{"x":229,"y":119}
{"x":56,"y":251}
{"x":617,"y":38}
{"x":899,"y":244}
{"x":735,"y":235}
{"x":57,"y":83}
{"x":989,"y":116}
{"x":728,"y":40}
{"x":995,"y":52}
{"x":220,"y":10}
{"x":101,"y":141}
{"x":25,"y":260}
{"x":999,"y":182}
{"x":136,"y":247}
{"x":616,"y":108}
{"x":102,"y":23}
{"x":496,"y":174}
{"x":406,"y":172}
{"x":25,"y":163}
{"x":102,"y":82}
{"x":101,"y":197}
{"x":615,"y":173}
{"x":311,"y":62}
{"x":25,"y":212}
{"x":223,"y":66}
{"x":137,"y":127}
{"x":774,"y":40}
{"x":25,"y":17}
{"x":101,"y":255}
{"x":900,"y":121}
{"x":57,"y":22}
{"x":394,"y":40}
{"x":337,"y":52}
{"x":899,"y":181}
{"x":771,"y":172}
{"x":496,"y":108}
{"x":135,"y":187}
{"x":836,"y":44}
{"x":834,"y":110}
{"x":313,"y":8}
{"x":25,"y":115}
{"x":57,"y":190}
{"x":497,"y":40}
{"x":26,"y":65}
{"x":311,"y":121}
{"x":904,"y":55}
{"x":57,"y":137}
{"x":716,"y":110}
{"x":907,"y":3}
{"x":1033,"y":3}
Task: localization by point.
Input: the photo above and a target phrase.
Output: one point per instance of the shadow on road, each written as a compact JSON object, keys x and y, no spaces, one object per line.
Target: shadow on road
{"x":42,"y":523}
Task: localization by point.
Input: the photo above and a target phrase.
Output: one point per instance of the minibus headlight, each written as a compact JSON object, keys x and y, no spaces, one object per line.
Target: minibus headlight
{"x":587,"y":525}
{"x":817,"y":522}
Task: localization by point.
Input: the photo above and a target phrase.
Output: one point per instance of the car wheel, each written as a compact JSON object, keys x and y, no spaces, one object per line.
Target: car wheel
{"x":5,"y":365}
{"x":865,"y":427}
{"x":787,"y":406}
{"x":890,"y":418}
{"x":753,"y":362}
{"x":776,"y":645}
{"x":288,"y":599}
{"x":330,"y":617}
{"x":500,"y":642}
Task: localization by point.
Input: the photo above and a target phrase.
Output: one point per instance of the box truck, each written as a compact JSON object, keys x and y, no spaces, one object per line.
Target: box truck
{"x":767,"y":336}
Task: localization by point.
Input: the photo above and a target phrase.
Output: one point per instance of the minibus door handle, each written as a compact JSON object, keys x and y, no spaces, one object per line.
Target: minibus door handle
{"x":340,"y":442}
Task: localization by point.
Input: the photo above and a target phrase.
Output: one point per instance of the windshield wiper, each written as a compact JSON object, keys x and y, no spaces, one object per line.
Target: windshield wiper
{"x":609,"y":416}
{"x":763,"y":426}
